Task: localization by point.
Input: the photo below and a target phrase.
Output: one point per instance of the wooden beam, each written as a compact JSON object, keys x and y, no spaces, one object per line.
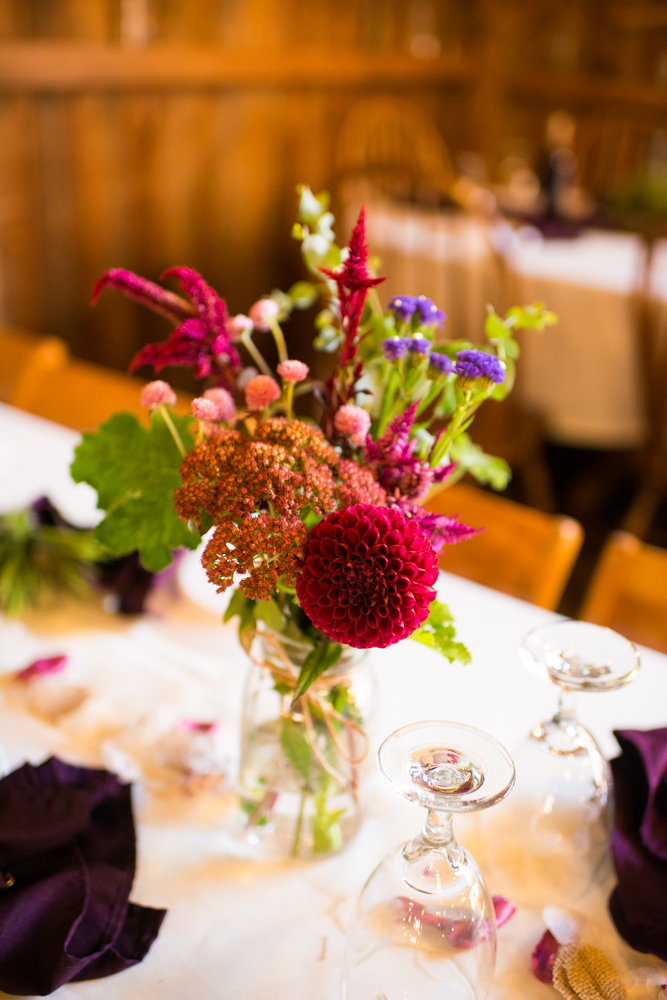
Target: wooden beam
{"x":55,"y":66}
{"x":589,"y":89}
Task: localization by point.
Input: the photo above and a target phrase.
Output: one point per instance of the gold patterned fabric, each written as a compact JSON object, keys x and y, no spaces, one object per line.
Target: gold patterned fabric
{"x":582,"y":972}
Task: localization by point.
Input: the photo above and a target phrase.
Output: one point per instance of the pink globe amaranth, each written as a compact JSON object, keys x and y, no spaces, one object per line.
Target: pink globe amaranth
{"x":293,"y":371}
{"x":224,"y":402}
{"x":204,"y":409}
{"x":353,"y":422}
{"x":155,"y":393}
{"x":261,"y":391}
{"x":367,"y":576}
{"x":263,"y":311}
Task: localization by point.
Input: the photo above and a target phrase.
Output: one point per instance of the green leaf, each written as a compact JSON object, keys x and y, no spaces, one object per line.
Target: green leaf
{"x":487,"y":469}
{"x":439,"y":633}
{"x":269,"y":612}
{"x":323,"y":656}
{"x":296,"y":747}
{"x":303,"y":294}
{"x":135,"y":472}
{"x":237,"y":603}
{"x":534,"y":317}
{"x":494,"y":327}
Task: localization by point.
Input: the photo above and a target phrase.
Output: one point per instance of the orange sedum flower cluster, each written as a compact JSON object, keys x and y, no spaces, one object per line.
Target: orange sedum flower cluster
{"x":256,"y":487}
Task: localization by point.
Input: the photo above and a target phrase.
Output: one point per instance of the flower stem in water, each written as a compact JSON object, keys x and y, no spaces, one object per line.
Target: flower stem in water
{"x":299,"y":822}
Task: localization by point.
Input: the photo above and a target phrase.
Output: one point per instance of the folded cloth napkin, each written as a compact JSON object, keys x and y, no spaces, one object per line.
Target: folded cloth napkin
{"x":67,"y":862}
{"x":638,"y":904}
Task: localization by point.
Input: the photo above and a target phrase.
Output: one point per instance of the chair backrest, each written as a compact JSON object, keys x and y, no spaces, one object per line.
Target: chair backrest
{"x":522,"y":551}
{"x":25,"y":359}
{"x":82,"y":395}
{"x":628,"y":591}
{"x":392,"y":143}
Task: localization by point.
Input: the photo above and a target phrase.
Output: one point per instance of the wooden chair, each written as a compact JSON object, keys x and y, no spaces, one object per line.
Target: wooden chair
{"x":392,"y":144}
{"x":27,"y":358}
{"x":522,"y":551}
{"x":628,"y":591}
{"x":82,"y":395}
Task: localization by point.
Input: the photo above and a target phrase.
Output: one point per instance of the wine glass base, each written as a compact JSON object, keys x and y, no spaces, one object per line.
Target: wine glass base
{"x":409,"y":974}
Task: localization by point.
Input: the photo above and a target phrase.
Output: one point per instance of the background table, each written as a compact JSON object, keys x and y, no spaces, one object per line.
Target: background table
{"x":583,"y":376}
{"x":236,"y":928}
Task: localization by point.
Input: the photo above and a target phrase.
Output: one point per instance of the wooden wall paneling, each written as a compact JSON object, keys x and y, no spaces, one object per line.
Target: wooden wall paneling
{"x":56,"y":201}
{"x":22,"y":245}
{"x":87,"y":20}
{"x":243,"y":221}
{"x":194,"y":23}
{"x":497,"y":26}
{"x":100,"y":154}
{"x":189,"y":228}
{"x":15,"y":19}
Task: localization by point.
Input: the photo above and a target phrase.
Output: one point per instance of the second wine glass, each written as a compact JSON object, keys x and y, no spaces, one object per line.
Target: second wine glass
{"x":424,"y":927}
{"x":546,"y":846}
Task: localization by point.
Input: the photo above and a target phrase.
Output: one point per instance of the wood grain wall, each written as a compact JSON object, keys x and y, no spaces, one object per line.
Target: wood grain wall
{"x":147,"y":133}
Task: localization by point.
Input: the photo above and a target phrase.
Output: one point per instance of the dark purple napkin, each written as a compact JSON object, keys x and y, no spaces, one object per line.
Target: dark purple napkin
{"x":67,"y":861}
{"x":638,"y":904}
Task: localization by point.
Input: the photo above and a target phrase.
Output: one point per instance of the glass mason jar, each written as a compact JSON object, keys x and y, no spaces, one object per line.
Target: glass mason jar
{"x":302,"y":766}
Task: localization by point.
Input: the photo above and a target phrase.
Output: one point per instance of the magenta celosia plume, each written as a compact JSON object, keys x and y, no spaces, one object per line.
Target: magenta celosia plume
{"x":201,"y":339}
{"x":367,"y":577}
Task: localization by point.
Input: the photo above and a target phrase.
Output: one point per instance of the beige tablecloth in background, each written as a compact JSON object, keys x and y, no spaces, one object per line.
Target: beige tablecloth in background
{"x":582,"y":376}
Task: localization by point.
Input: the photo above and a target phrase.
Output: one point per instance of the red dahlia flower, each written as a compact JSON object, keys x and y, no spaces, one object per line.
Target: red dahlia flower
{"x":367,"y":576}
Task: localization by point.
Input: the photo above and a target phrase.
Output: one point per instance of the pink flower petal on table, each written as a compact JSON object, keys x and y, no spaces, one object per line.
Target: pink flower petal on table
{"x":42,"y":667}
{"x":191,"y":726}
{"x":542,"y":959}
{"x":504,"y":909}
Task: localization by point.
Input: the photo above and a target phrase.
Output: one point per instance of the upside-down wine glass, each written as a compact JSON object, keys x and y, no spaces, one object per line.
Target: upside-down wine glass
{"x":547,"y":845}
{"x":424,"y":927}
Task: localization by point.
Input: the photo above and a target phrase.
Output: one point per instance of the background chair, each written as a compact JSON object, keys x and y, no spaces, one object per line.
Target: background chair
{"x":26,"y":360}
{"x":391,"y":144}
{"x":83,"y":395}
{"x":39,"y":376}
{"x":628,"y":591}
{"x":522,"y":552}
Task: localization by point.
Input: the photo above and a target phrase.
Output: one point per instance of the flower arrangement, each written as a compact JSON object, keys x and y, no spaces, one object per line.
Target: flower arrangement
{"x":318,"y":527}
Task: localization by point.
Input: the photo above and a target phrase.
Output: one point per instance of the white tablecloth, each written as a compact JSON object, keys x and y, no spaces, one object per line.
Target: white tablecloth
{"x":236,"y":928}
{"x":583,"y":376}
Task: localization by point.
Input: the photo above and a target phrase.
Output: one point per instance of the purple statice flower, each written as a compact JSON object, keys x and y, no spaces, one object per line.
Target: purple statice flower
{"x":420,"y":345}
{"x":396,"y":347}
{"x":428,"y":311}
{"x":403,"y":307}
{"x":441,"y":363}
{"x":479,"y":364}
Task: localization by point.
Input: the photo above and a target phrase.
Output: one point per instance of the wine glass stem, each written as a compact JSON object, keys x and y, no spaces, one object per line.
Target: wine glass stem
{"x":565,"y":710}
{"x":438,"y":829}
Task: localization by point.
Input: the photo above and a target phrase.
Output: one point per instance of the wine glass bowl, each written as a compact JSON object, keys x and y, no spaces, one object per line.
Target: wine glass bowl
{"x":580,"y":656}
{"x":424,"y":927}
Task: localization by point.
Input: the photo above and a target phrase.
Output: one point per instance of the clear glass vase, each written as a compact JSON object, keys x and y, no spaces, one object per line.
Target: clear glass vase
{"x":302,"y":766}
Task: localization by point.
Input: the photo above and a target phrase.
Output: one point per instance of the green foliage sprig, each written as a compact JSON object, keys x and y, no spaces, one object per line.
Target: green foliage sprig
{"x":37,"y":560}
